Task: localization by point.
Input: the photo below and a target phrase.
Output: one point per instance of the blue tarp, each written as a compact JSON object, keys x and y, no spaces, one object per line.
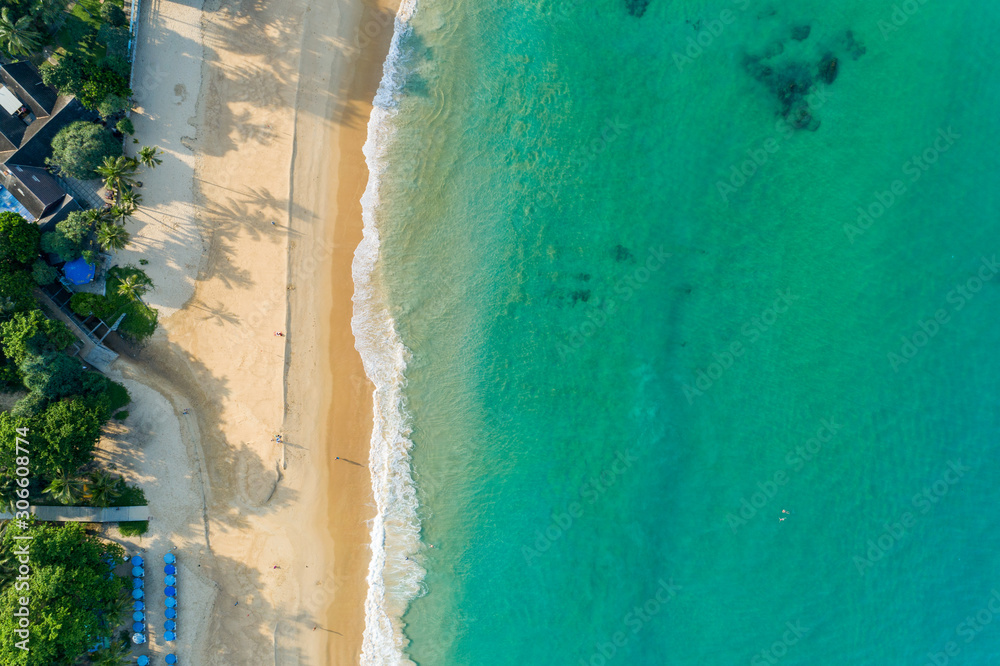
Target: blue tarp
{"x":79,"y":271}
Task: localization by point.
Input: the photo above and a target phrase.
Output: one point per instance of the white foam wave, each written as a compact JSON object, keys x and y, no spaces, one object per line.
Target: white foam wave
{"x":394,"y":578}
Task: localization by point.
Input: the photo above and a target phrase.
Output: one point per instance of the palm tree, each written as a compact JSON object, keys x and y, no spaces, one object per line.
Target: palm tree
{"x":115,"y":654}
{"x":117,"y":173}
{"x":95,"y":216}
{"x":65,"y":488}
{"x":118,"y":606}
{"x":130,"y":201}
{"x":112,"y":237}
{"x":134,"y":286}
{"x":18,"y":37}
{"x":102,"y":489}
{"x":148,"y":156}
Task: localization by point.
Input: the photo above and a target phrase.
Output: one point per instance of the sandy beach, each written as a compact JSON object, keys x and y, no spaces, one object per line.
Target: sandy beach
{"x":249,"y":228}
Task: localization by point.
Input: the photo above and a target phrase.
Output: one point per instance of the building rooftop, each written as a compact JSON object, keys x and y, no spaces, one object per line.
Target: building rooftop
{"x":35,"y":188}
{"x":23,"y":79}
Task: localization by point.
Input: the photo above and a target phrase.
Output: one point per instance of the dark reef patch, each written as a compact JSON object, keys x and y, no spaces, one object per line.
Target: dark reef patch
{"x":580,"y":295}
{"x":828,"y":67}
{"x":850,"y":43}
{"x":800,"y":33}
{"x":622,"y":253}
{"x":795,"y":69}
{"x":636,"y":7}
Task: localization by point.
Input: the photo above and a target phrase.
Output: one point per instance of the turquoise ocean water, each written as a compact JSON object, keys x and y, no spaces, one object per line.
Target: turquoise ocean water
{"x":641,"y":277}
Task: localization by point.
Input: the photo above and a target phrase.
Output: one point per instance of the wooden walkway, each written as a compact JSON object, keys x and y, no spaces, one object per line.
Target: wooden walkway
{"x":85,"y":514}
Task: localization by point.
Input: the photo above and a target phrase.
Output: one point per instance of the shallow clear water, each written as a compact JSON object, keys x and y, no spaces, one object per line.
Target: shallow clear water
{"x":645,"y":317}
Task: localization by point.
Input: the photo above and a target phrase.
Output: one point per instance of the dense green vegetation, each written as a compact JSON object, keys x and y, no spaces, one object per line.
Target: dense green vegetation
{"x":66,"y":405}
{"x":75,"y":600}
{"x":93,"y":61}
{"x":125,"y":286}
{"x":80,"y":147}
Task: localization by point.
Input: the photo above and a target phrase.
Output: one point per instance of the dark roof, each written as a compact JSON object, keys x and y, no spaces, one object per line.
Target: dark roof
{"x":11,"y":131}
{"x":35,"y":188}
{"x":38,"y":139}
{"x":23,"y":79}
{"x":61,"y":212}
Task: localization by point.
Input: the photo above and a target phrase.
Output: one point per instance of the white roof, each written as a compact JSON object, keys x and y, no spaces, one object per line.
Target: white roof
{"x":9,"y":101}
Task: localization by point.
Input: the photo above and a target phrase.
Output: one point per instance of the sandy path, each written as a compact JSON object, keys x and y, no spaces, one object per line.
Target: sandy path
{"x":241,"y":97}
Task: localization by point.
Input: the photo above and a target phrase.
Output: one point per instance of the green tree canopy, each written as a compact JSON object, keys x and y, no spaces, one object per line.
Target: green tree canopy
{"x":72,"y":599}
{"x":71,"y":236}
{"x":18,"y":36}
{"x":15,"y":292}
{"x":112,"y":237}
{"x":125,"y":126}
{"x":31,"y":332}
{"x":64,"y":437}
{"x":101,"y":83}
{"x":68,"y":74}
{"x":42,"y":273}
{"x":53,"y":374}
{"x":113,"y":15}
{"x":114,"y":38}
{"x":80,"y":147}
{"x":105,"y":394}
{"x":18,"y":240}
{"x":111,"y":105}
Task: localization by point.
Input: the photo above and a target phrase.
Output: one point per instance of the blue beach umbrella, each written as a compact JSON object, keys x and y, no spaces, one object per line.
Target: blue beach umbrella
{"x":171,"y":659}
{"x":137,"y":627}
{"x":170,"y":570}
{"x":137,"y":584}
{"x":138,"y":594}
{"x":138,"y":605}
{"x":169,"y":636}
{"x":79,"y":271}
{"x":138,"y":639}
{"x":169,"y":558}
{"x":138,"y":572}
{"x":143,"y":660}
{"x":171,"y":602}
{"x":138,"y":616}
{"x":136,"y":561}
{"x":170,"y":625}
{"x":171,"y":613}
{"x":170,"y":591}
{"x":170,"y":580}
